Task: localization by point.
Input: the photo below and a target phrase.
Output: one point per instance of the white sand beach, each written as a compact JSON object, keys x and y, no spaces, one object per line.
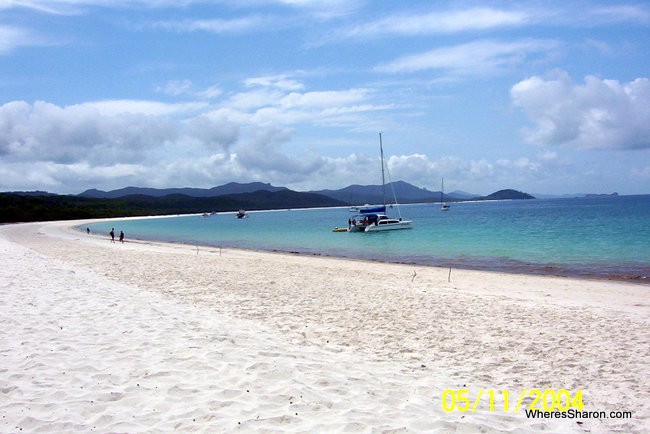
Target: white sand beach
{"x":142,"y":337}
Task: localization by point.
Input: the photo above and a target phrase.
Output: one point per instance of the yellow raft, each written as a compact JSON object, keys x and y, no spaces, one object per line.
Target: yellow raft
{"x":337,"y":229}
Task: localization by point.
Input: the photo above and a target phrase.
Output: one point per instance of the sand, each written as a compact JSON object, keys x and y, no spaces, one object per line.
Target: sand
{"x":142,"y":337}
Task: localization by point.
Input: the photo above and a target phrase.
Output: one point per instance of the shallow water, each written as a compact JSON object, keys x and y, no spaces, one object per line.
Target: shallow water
{"x":597,"y":237}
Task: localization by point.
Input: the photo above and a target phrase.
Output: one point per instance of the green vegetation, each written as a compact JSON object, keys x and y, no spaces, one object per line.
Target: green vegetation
{"x":28,"y":208}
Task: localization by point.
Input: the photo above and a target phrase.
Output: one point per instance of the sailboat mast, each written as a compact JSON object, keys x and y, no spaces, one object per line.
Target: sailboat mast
{"x":383,"y":179}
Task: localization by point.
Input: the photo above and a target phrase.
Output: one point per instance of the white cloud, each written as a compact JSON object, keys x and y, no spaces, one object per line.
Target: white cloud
{"x":264,"y":154}
{"x":186,"y":88}
{"x":642,"y":173}
{"x":216,"y":25}
{"x":69,"y":149}
{"x":438,"y":22}
{"x":254,"y":99}
{"x":420,"y":170}
{"x":473,"y":58}
{"x":599,"y":114}
{"x":73,"y":7}
{"x":282,"y":82}
{"x":68,"y":177}
{"x":175,"y":87}
{"x":211,"y":132}
{"x":323,"y":9}
{"x":315,"y":8}
{"x":110,"y":144}
{"x":621,"y":13}
{"x":150,"y":108}
{"x":210,"y":92}
{"x":12,"y":37}
{"x":272,"y":106}
{"x":323,"y":98}
{"x":100,"y":134}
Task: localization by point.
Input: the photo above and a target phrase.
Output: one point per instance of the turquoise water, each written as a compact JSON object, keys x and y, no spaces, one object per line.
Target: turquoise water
{"x":598,"y":237}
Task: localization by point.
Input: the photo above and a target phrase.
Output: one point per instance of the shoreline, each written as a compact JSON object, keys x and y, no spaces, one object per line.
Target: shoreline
{"x":476,"y":264}
{"x":164,"y":337}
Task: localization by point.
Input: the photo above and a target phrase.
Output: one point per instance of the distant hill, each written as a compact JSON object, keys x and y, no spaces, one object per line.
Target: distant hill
{"x":506,"y":194}
{"x":556,"y":196}
{"x":361,"y":194}
{"x":137,"y":201}
{"x":592,"y":195}
{"x":459,"y":194}
{"x":574,"y":195}
{"x":230,"y":188}
{"x":405,"y":192}
{"x":353,"y":194}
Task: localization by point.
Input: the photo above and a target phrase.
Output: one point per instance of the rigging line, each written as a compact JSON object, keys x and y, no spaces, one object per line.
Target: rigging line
{"x":392,"y":187}
{"x":383,"y":180}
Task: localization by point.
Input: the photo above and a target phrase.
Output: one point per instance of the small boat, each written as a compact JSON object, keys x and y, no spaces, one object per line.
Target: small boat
{"x":443,"y":205}
{"x":338,"y":229}
{"x":374,"y":218}
{"x":241,"y":214}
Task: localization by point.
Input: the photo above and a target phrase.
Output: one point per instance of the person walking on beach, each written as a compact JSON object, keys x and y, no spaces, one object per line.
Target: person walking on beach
{"x":88,"y":231}
{"x":112,"y":234}
{"x":122,"y":237}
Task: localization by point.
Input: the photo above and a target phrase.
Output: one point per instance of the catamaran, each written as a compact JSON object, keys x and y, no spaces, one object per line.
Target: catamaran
{"x":374,"y":218}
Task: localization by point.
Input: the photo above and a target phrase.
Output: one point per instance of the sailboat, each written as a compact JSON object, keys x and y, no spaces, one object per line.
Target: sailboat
{"x":443,"y":205}
{"x":374,"y":218}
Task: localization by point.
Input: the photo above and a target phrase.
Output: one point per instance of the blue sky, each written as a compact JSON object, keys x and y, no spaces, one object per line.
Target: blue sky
{"x":544,"y":97}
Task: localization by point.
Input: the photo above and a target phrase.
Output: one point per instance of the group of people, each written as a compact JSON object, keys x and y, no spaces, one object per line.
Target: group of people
{"x":364,"y":222}
{"x":112,"y":234}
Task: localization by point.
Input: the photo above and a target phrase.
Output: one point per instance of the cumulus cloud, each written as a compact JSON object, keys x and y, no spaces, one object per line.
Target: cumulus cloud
{"x":110,"y":144}
{"x":599,"y":114}
{"x":100,"y":133}
{"x":211,"y":132}
{"x":71,"y":148}
{"x":51,"y":176}
{"x":421,"y":170}
{"x":264,"y":153}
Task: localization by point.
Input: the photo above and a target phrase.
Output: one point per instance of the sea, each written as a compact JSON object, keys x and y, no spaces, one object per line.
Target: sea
{"x":594,"y":237}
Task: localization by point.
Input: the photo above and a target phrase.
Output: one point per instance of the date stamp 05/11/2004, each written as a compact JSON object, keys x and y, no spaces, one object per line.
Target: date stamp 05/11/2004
{"x":548,"y":403}
{"x":500,"y":400}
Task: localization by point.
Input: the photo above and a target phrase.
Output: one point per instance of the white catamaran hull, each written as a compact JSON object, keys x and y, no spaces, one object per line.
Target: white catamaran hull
{"x":404,"y":224}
